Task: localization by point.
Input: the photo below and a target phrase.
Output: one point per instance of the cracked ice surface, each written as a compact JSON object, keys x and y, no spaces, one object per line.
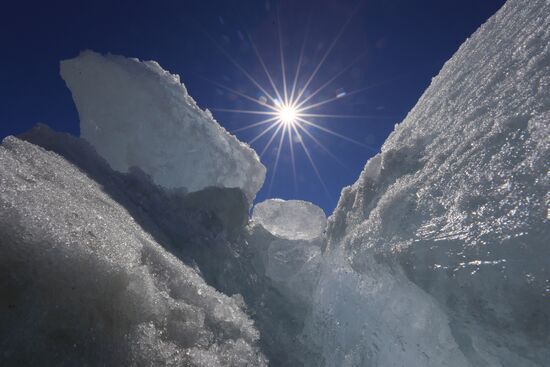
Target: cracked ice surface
{"x":137,"y":114}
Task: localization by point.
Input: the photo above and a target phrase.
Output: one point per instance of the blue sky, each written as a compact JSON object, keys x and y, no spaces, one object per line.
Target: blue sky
{"x":403,"y":45}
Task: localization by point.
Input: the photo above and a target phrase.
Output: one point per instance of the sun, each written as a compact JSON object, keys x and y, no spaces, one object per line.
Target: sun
{"x":287,"y":105}
{"x":287,"y":114}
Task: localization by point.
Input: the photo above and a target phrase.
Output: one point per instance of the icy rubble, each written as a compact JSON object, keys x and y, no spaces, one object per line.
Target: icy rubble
{"x":439,"y":254}
{"x":82,"y":283}
{"x":137,"y":114}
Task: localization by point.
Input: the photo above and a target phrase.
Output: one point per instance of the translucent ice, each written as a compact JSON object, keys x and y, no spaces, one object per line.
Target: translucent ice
{"x":291,"y":257}
{"x":137,"y":114}
{"x":83,"y":284}
{"x":439,"y":254}
{"x":292,"y":219}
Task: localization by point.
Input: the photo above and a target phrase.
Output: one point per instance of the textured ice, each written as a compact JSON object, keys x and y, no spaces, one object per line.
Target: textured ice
{"x":292,"y":219}
{"x":439,"y":254}
{"x":82,"y":283}
{"x":205,"y":229}
{"x":137,"y":114}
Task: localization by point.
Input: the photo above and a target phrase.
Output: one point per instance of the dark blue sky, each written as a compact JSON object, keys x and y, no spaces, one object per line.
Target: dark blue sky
{"x":404,"y":43}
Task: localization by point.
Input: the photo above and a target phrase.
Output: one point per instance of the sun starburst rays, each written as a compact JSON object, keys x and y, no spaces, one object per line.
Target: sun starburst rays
{"x":289,"y":109}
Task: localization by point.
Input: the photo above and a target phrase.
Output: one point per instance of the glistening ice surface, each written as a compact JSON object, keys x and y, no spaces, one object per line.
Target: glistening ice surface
{"x":84,"y":284}
{"x":439,"y":255}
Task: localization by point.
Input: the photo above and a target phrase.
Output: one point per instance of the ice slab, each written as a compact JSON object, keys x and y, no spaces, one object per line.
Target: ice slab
{"x":84,"y":284}
{"x":290,"y":219}
{"x":438,"y":255}
{"x":137,"y":114}
{"x":290,"y":258}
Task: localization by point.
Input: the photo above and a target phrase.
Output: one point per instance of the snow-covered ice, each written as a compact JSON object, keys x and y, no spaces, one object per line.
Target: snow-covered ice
{"x":83,"y":284}
{"x":205,"y":230}
{"x":439,"y":254}
{"x":137,"y":114}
